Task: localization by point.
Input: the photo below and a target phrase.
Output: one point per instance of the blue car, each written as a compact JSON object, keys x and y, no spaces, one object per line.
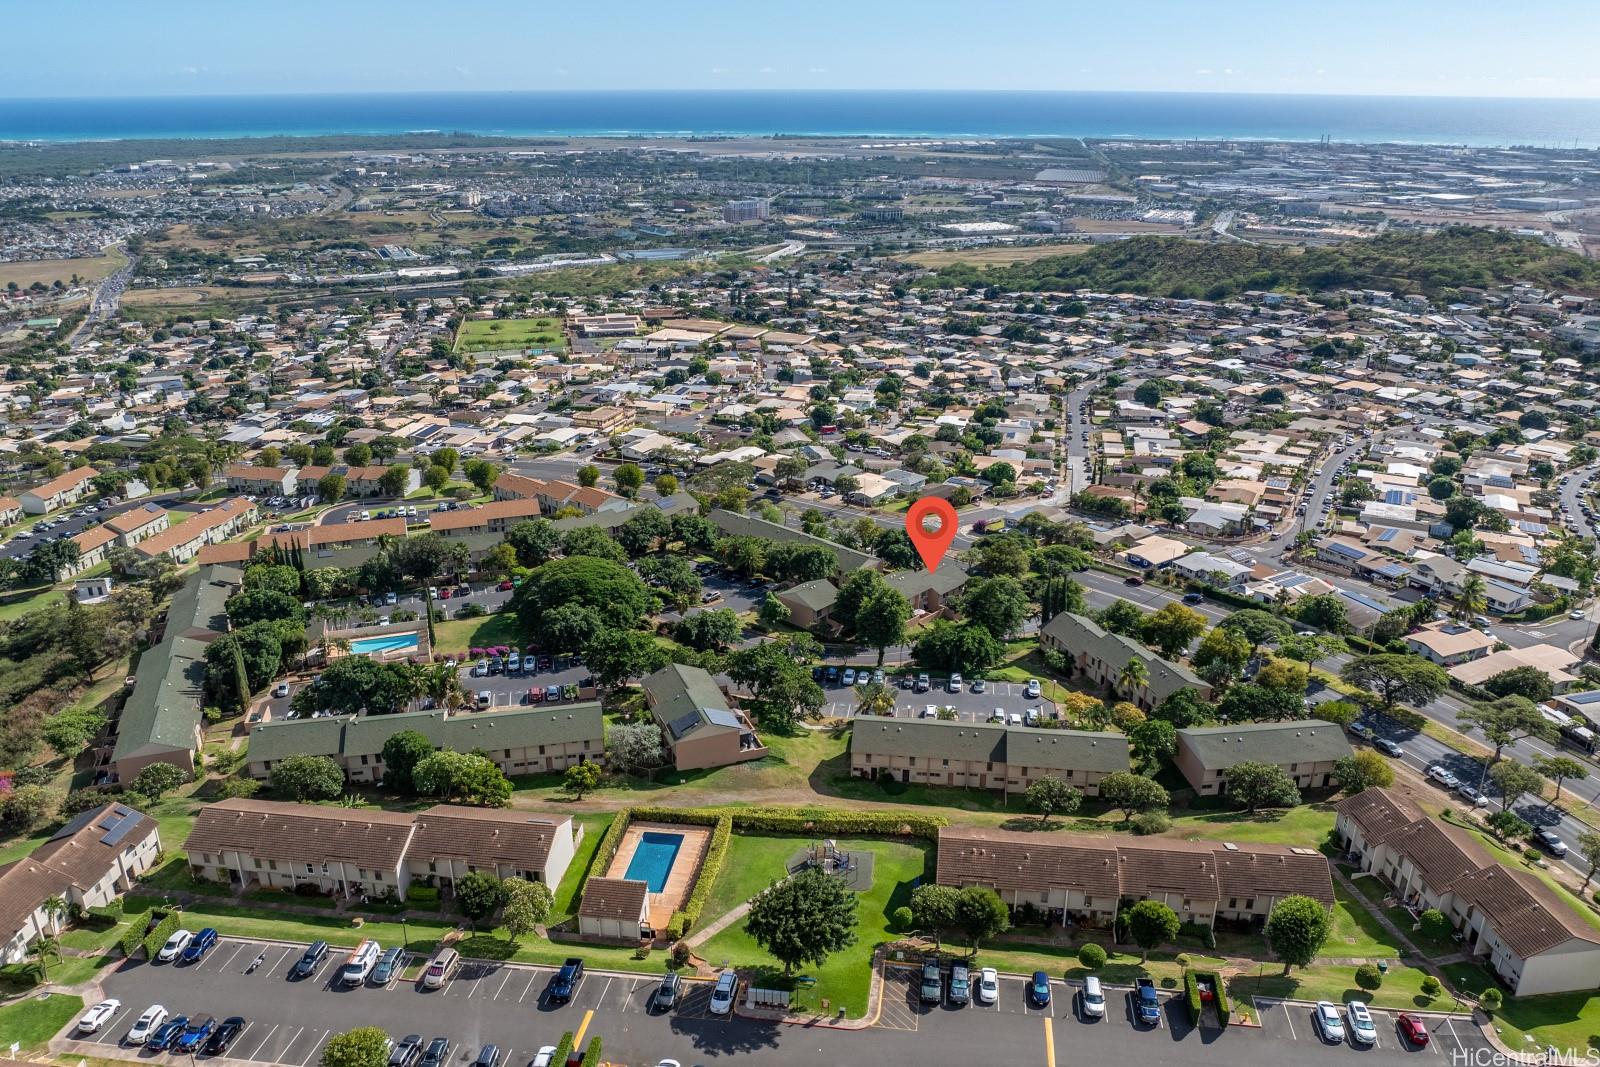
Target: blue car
{"x":1039,"y":990}
{"x":203,"y":942}
{"x":194,"y":1034}
{"x":169,"y":1032}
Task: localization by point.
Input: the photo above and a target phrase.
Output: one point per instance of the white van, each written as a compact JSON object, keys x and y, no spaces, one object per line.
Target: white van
{"x":722,"y":995}
{"x":1093,"y":998}
{"x":441,"y":968}
{"x":359,"y":963}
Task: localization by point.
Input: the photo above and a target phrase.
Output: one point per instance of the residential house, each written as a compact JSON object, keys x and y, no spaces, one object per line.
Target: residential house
{"x":263,"y":481}
{"x":62,"y":491}
{"x":929,"y":591}
{"x":1305,"y":749}
{"x":809,"y":603}
{"x":1448,"y":643}
{"x":699,"y":727}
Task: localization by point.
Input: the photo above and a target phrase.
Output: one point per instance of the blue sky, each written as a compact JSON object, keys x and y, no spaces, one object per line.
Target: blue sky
{"x":1409,"y":47}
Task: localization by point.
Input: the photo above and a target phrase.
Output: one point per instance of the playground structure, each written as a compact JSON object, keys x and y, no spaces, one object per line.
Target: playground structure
{"x":853,"y":868}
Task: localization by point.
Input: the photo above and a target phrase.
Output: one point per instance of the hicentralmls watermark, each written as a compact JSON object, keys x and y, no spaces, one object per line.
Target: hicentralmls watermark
{"x":1490,"y":1057}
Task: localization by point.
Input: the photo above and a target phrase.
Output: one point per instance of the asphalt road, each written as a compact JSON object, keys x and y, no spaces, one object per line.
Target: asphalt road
{"x":1571,"y":499}
{"x":290,"y":1022}
{"x":69,"y":522}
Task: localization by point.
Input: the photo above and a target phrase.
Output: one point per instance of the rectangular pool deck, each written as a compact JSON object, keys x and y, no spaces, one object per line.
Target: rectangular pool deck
{"x":680,"y":880}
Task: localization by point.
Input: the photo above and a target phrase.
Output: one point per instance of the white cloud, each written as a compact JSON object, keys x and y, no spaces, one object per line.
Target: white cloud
{"x":767,"y":70}
{"x":1205,"y":72}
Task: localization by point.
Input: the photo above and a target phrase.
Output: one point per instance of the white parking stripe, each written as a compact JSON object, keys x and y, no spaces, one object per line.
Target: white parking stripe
{"x":1451,"y":1027}
{"x":316,"y":1045}
{"x":503,"y":982}
{"x":223,"y":965}
{"x":264,"y":1040}
{"x":531,"y":977}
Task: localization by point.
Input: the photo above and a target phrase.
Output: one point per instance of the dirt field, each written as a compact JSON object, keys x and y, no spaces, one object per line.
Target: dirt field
{"x":994,"y":255}
{"x":48,"y":270}
{"x":192,"y":294}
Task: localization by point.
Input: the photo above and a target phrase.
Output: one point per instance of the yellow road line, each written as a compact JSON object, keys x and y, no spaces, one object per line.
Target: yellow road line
{"x":1049,"y":1043}
{"x":577,"y":1039}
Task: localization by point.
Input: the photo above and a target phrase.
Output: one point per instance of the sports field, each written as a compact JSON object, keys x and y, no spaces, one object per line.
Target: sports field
{"x":493,"y":335}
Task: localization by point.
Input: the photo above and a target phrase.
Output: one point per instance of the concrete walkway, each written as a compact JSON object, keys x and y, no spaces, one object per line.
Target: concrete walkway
{"x":723,"y":921}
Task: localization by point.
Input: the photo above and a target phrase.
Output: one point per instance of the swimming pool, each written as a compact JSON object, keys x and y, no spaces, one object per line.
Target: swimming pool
{"x":366,"y":646}
{"x":653,"y":858}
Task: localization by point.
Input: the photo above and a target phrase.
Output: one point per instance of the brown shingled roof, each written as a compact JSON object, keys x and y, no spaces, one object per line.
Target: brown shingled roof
{"x":1525,"y":912}
{"x":486,"y":838}
{"x":302,"y":832}
{"x":1440,"y":852}
{"x":1379,"y":813}
{"x":613,"y":898}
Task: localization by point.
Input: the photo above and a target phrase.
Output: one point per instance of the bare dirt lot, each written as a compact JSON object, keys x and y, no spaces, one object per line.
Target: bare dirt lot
{"x":48,"y":271}
{"x":994,"y":255}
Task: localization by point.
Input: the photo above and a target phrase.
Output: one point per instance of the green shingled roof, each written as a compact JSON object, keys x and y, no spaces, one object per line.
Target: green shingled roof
{"x":749,"y":526}
{"x":1303,"y":741}
{"x":355,"y":736}
{"x":991,"y":742}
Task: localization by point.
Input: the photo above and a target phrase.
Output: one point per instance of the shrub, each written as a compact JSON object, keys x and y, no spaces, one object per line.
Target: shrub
{"x":469,"y":611}
{"x":1491,"y":999}
{"x":1092,"y":956}
{"x":133,"y":937}
{"x":1151,"y":822}
{"x":1532,"y":855}
{"x":591,"y":1055}
{"x":158,"y":936}
{"x":1431,"y":986}
{"x":563,"y":1050}
{"x":680,"y":955}
{"x":104,"y":915}
{"x":1191,"y":995}
{"x":813,"y":821}
{"x":1368,"y":976}
{"x":423,"y":894}
{"x":902,"y":918}
{"x":677,"y":926}
{"x":1200,"y":932}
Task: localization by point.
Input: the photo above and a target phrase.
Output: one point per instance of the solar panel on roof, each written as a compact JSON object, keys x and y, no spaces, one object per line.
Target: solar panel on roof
{"x":1388,"y":535}
{"x":123,"y":820}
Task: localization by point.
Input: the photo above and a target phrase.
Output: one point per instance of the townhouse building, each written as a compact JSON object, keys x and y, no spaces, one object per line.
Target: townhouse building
{"x":1305,"y":749}
{"x":264,"y":481}
{"x":62,"y":491}
{"x":983,"y":755}
{"x":138,"y":524}
{"x":1509,"y":919}
{"x":247,"y":843}
{"x":1083,"y":879}
{"x":93,"y":859}
{"x":183,"y":542}
{"x":520,"y":741}
{"x":698,"y":725}
{"x":1099,"y":657}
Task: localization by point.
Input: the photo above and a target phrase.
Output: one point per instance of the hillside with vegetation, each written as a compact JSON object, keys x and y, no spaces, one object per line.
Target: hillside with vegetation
{"x":1435,"y":264}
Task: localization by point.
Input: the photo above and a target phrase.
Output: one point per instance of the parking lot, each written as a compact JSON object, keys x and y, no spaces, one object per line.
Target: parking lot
{"x":1011,"y":697}
{"x":506,"y":692}
{"x":505,"y":1004}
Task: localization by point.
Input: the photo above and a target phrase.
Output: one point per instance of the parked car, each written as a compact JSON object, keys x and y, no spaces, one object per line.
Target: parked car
{"x":1412,"y":1029}
{"x":543,"y":1057}
{"x":665,"y":998}
{"x":1470,"y":792}
{"x":930,"y":711}
{"x":146,"y":1025}
{"x":1362,"y":1029}
{"x":932,"y":981}
{"x":1033,"y":691}
{"x":407,"y":1052}
{"x":98,"y":1016}
{"x":281,"y":689}
{"x":565,"y":981}
{"x":488,"y":1056}
{"x":979,"y":685}
{"x":955,"y":683}
{"x":167,"y":1033}
{"x":1039,"y":990}
{"x":849,"y":676}
{"x":199,"y":945}
{"x":309,"y":960}
{"x":723,"y":992}
{"x":552,"y":692}
{"x":485,"y":698}
{"x":437,"y":1053}
{"x":988,"y":985}
{"x":175,"y":944}
{"x":1133,"y":579}
{"x":225,"y":1035}
{"x":1093,"y":998}
{"x":1329,"y":1024}
{"x":1147,"y":1005}
{"x":194,"y":1034}
{"x":960,"y":985}
{"x":922,"y":684}
{"x":1443,"y":776}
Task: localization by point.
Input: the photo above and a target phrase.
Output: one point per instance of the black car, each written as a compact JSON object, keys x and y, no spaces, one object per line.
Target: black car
{"x":225,"y":1035}
{"x":309,"y":960}
{"x":488,"y":1056}
{"x":407,"y":1052}
{"x":438,"y":1053}
{"x":665,"y":998}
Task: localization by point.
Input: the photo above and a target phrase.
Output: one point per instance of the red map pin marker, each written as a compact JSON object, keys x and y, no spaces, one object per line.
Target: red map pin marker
{"x":931,"y":545}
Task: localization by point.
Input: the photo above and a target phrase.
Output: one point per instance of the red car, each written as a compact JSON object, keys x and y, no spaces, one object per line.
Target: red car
{"x":1412,"y":1029}
{"x":536,"y":695}
{"x":444,"y":594}
{"x":505,"y":587}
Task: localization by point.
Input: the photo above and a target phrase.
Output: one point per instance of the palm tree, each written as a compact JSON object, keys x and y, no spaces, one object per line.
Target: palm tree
{"x":1134,"y":676}
{"x":874,"y":699}
{"x":54,"y":909}
{"x":1471,"y":600}
{"x":443,"y":684}
{"x":45,"y":946}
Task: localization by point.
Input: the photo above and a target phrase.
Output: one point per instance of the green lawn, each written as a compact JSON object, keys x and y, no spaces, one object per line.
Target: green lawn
{"x":1402,"y":986}
{"x":753,"y":863}
{"x":1512,"y":859}
{"x":15,"y":607}
{"x":32,"y":1022}
{"x":457,"y":636}
{"x":845,"y":978}
{"x":487,"y":335}
{"x":1355,"y":932}
{"x":566,"y":903}
{"x":1565,"y":1020}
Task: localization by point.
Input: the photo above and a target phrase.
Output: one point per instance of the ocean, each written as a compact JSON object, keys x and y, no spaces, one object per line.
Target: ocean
{"x":866,"y":114}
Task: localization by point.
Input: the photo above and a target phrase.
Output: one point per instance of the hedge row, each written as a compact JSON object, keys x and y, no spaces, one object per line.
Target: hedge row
{"x":1191,"y":996}
{"x":1225,"y":596}
{"x":716,"y":852}
{"x":163,"y":930}
{"x":591,"y":1055}
{"x":842,"y":823}
{"x":1191,"y":990}
{"x":563,"y":1051}
{"x":423,"y":894}
{"x":133,"y":936}
{"x":102,"y":916}
{"x":610,"y":842}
